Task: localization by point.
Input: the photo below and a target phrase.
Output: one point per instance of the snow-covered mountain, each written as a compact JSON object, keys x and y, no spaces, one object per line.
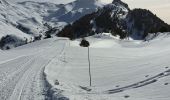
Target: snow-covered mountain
{"x":29,"y":20}
{"x":66,"y":13}
{"x":60,"y":69}
{"x":118,"y":19}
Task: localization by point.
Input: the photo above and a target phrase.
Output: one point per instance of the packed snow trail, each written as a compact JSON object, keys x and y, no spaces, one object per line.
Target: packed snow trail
{"x":121,"y":70}
{"x":21,"y":78}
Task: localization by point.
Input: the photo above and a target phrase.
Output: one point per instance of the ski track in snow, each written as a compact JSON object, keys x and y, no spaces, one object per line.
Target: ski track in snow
{"x":22,"y":78}
{"x":141,"y":83}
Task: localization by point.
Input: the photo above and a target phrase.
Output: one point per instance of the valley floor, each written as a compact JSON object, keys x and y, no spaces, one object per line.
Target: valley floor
{"x":57,"y":69}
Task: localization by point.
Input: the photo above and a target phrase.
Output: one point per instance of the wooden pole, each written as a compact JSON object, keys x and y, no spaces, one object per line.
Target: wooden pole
{"x":89,"y":65}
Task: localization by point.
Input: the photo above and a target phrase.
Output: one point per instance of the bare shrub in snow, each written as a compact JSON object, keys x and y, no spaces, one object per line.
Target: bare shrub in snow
{"x":10,"y":41}
{"x":84,"y":43}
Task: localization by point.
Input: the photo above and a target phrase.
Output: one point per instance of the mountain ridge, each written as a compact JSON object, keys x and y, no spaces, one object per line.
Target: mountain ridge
{"x":118,"y":19}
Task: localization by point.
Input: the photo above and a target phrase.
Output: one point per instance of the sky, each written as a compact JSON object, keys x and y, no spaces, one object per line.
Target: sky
{"x":159,"y":7}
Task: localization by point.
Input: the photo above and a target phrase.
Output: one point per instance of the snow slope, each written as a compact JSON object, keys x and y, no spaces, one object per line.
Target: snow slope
{"x":21,"y":70}
{"x":57,"y":68}
{"x":29,"y":19}
{"x":121,"y":70}
{"x":34,"y":14}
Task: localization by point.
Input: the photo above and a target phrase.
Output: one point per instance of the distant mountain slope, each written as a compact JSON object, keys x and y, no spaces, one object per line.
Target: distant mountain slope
{"x":75,"y":10}
{"x":31,"y":20}
{"x":142,"y":21}
{"x":117,"y":19}
{"x":66,"y":13}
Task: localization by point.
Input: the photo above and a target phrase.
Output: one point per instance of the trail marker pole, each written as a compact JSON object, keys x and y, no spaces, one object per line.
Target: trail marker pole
{"x":85,"y":43}
{"x":89,"y":65}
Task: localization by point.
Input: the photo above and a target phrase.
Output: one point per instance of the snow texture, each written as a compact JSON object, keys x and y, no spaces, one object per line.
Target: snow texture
{"x":121,"y":70}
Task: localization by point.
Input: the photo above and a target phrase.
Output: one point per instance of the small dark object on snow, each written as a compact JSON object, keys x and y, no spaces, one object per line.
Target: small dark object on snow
{"x":126,"y":96}
{"x":166,"y":83}
{"x":117,"y":86}
{"x":84,"y":43}
{"x":85,"y":88}
{"x":147,"y":76}
{"x":166,"y":67}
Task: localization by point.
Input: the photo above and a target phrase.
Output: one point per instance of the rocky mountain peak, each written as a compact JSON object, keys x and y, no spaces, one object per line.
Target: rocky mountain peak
{"x":116,"y":1}
{"x":119,"y":3}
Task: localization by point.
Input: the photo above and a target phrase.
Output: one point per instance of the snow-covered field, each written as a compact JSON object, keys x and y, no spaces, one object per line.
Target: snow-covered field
{"x":57,"y":69}
{"x":121,"y":70}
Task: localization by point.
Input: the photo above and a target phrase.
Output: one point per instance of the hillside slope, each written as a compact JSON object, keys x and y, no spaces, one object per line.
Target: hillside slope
{"x":31,"y":20}
{"x":118,"y":19}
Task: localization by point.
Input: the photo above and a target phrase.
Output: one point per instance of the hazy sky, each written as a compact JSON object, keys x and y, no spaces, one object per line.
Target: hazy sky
{"x":159,"y":7}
